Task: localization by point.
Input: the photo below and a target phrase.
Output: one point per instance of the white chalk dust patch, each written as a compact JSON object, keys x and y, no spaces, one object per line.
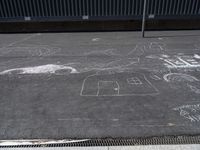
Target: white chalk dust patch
{"x":43,"y":69}
{"x":96,"y":39}
{"x":165,"y":56}
{"x":196,"y":56}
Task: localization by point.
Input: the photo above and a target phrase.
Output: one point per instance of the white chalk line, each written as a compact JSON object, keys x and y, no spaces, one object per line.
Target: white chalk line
{"x":22,"y":40}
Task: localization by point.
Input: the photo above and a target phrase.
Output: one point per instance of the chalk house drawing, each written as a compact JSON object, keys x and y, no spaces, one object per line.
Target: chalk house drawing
{"x":189,"y":112}
{"x":117,"y":84}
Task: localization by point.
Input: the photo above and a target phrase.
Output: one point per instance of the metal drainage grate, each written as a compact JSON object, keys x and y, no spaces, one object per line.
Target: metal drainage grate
{"x":121,"y":142}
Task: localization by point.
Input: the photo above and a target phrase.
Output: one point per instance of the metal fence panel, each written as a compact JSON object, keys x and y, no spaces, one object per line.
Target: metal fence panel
{"x":43,"y":10}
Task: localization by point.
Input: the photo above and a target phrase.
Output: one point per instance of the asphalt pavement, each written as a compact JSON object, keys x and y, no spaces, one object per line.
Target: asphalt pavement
{"x":99,"y":85}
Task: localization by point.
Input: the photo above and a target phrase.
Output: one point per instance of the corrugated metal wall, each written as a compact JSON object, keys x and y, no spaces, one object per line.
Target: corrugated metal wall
{"x":42,"y":10}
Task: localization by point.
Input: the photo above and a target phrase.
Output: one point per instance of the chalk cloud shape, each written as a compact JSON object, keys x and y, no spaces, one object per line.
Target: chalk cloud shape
{"x":179,"y":77}
{"x":43,"y":69}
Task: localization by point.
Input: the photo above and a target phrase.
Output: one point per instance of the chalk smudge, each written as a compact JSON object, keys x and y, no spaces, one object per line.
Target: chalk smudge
{"x":96,"y":39}
{"x":43,"y":69}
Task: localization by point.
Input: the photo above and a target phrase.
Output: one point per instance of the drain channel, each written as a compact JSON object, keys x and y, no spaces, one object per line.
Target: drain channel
{"x":168,"y":140}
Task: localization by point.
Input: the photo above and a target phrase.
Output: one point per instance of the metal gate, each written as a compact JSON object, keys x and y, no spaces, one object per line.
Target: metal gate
{"x":51,"y":10}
